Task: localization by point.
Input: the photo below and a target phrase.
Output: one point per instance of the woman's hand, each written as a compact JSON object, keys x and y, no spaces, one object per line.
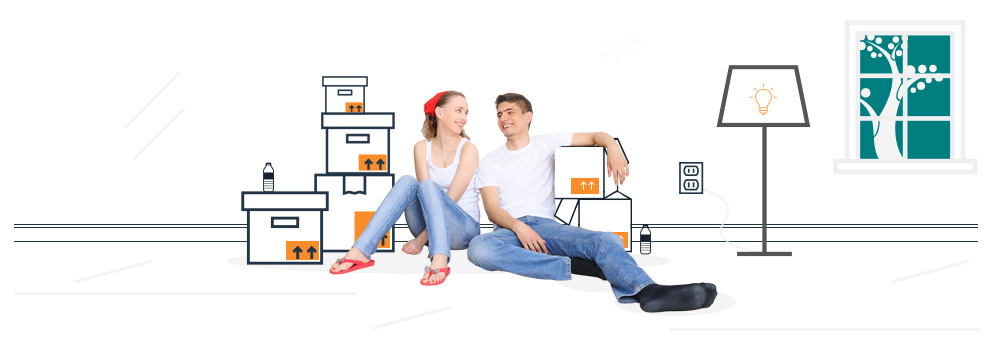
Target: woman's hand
{"x":416,"y":245}
{"x":413,"y":247}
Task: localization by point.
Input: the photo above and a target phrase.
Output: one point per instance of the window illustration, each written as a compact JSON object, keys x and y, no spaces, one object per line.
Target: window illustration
{"x":905,"y":95}
{"x":905,"y":103}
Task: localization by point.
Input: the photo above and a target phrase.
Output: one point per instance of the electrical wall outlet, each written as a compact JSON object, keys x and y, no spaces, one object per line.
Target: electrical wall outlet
{"x":692,"y":177}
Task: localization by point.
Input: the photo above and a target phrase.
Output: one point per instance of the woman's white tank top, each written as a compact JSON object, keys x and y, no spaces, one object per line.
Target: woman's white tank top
{"x":443,"y":177}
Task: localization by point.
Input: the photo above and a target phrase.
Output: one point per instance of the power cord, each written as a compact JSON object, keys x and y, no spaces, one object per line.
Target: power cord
{"x":723,"y":224}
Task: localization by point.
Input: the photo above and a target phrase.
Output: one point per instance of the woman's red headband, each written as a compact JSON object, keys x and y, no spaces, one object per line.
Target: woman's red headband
{"x":429,"y":106}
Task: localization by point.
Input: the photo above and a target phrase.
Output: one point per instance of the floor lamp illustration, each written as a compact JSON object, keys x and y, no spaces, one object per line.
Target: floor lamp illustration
{"x":763,"y":96}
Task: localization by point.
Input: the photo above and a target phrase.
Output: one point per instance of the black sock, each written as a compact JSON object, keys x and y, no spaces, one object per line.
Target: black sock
{"x":656,"y":298}
{"x":581,"y":266}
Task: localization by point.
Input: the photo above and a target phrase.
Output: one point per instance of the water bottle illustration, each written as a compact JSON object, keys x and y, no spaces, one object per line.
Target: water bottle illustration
{"x":268,"y":178}
{"x":645,"y":240}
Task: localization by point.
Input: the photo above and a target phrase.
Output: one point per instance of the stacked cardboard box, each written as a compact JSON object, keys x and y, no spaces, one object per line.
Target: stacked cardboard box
{"x":358,"y":162}
{"x":581,"y":196}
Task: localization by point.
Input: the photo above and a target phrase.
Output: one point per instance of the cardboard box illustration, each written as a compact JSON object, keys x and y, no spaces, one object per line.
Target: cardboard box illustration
{"x":284,"y":227}
{"x":580,"y":172}
{"x":612,"y":214}
{"x":353,"y":198}
{"x":345,"y":94}
{"x":357,"y":142}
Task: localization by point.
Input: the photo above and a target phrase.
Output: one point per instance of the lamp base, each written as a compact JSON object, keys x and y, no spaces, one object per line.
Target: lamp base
{"x":763,"y":253}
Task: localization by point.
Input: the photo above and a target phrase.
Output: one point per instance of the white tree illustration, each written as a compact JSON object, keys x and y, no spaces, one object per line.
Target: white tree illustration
{"x":884,"y":123}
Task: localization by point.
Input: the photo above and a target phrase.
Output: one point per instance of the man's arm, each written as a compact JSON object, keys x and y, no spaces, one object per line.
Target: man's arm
{"x":529,"y":238}
{"x":617,"y":165}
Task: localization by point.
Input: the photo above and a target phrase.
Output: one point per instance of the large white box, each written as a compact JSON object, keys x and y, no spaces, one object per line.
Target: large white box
{"x":349,"y":150}
{"x":353,"y":198}
{"x":580,"y":172}
{"x":284,"y":227}
{"x":612,"y":214}
{"x":358,"y":143}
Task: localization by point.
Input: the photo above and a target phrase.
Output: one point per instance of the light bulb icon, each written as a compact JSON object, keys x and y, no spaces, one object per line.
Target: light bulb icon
{"x":763,"y":98}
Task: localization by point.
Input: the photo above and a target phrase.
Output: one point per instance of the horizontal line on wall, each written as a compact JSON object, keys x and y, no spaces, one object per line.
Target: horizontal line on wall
{"x":770,"y":241}
{"x":130,"y":241}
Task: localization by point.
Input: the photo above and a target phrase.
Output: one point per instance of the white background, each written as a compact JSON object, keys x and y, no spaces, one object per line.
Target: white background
{"x":248,"y":80}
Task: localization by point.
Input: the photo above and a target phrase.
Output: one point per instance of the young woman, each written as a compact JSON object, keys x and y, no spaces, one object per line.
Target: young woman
{"x":441,"y":204}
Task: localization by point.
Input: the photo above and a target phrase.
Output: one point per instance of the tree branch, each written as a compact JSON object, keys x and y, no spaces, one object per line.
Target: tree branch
{"x":888,"y":57}
{"x":871,"y":111}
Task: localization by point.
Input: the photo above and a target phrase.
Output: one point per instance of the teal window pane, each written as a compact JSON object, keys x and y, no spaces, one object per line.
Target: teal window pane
{"x":929,"y":97}
{"x":877,"y":93}
{"x":899,"y":136}
{"x":931,"y":51}
{"x":929,"y":139}
{"x":867,"y":138}
{"x":880,"y":53}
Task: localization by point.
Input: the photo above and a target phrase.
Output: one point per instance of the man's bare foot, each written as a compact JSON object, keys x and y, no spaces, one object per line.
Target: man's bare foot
{"x":439,"y":261}
{"x":353,"y":254}
{"x":413,"y":246}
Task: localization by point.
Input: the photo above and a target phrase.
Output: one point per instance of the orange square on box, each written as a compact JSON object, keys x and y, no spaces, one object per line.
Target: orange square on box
{"x":585,"y":185}
{"x":624,"y":236}
{"x":302,"y":250}
{"x":372,"y":162}
{"x":354,"y":107}
{"x":361,"y":219}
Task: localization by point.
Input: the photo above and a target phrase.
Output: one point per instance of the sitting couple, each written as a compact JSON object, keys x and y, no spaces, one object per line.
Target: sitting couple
{"x":516,"y":181}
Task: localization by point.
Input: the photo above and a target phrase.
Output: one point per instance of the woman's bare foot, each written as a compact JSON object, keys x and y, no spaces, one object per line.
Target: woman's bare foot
{"x":439,"y":261}
{"x":353,"y":254}
{"x":414,"y":246}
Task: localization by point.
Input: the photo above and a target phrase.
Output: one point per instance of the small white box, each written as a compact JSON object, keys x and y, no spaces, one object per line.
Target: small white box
{"x":580,"y":172}
{"x":353,"y":198}
{"x":345,"y":94}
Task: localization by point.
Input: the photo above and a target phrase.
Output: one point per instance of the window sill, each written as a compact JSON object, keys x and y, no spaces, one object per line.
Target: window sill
{"x":912,"y":166}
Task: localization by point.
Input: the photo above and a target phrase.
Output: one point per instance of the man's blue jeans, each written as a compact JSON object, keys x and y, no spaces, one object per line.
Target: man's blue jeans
{"x":426,"y":206}
{"x":501,"y":250}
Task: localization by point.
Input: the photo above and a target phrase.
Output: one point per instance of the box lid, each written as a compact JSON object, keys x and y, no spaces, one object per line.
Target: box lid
{"x":365,"y":120}
{"x":285,"y":201}
{"x":345,"y":81}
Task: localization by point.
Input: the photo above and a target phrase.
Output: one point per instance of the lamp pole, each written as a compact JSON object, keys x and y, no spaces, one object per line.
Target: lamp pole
{"x":763,"y":219}
{"x":763,"y":186}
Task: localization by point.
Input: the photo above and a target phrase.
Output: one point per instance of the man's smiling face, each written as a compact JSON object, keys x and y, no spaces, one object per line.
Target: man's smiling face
{"x":511,"y":119}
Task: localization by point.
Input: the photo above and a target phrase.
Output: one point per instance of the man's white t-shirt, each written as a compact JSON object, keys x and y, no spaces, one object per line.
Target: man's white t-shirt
{"x":524,"y":177}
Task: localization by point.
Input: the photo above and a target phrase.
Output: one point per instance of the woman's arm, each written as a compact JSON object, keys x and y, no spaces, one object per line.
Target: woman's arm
{"x":419,"y":161}
{"x":466,"y":171}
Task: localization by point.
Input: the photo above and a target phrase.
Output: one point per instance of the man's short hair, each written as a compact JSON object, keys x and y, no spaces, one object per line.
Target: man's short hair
{"x":519,"y":99}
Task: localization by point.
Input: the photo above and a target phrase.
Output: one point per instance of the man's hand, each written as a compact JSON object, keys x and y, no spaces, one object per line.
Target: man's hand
{"x":617,"y":165}
{"x":530,"y":239}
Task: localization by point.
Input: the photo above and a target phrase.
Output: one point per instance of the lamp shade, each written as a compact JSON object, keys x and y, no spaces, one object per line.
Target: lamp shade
{"x":763,"y":96}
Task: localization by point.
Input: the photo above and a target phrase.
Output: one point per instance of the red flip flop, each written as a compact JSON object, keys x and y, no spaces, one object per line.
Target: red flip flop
{"x":357,"y":265}
{"x":446,"y":270}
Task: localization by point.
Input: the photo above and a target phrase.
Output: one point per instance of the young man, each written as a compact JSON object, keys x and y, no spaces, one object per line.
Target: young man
{"x":515,"y":182}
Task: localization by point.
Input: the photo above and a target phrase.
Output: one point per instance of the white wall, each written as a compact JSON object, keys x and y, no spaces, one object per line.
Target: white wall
{"x":249,"y":84}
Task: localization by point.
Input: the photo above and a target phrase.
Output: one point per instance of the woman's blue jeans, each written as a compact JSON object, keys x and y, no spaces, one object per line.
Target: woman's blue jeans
{"x":426,"y":206}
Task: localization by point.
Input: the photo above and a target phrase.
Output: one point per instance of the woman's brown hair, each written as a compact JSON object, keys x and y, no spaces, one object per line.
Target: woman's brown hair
{"x":430,"y":121}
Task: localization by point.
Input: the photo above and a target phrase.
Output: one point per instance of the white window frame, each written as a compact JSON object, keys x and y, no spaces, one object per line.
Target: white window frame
{"x":852,"y":162}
